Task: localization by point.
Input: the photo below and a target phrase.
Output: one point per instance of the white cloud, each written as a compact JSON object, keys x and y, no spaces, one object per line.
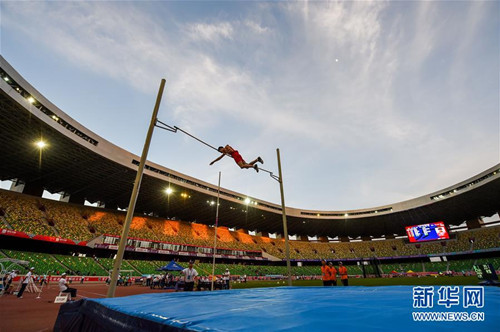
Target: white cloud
{"x":210,"y":32}
{"x":263,"y":80}
{"x":105,"y":39}
{"x":256,"y":27}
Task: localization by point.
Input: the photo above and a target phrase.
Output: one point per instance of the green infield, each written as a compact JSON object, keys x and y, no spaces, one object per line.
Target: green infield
{"x":437,"y":281}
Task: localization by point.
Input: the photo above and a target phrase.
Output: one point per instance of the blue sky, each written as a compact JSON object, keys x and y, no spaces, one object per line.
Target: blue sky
{"x":370,"y":103}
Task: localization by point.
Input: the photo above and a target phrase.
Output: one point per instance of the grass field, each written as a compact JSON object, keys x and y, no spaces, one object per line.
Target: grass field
{"x":368,"y":282}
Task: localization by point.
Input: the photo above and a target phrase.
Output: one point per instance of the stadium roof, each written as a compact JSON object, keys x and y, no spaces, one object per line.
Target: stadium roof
{"x":80,"y":163}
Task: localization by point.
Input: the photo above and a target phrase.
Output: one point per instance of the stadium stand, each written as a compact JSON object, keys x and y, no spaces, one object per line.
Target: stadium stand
{"x":67,"y":221}
{"x":81,"y":223}
{"x":107,"y":264}
{"x":24,"y":213}
{"x":39,"y":216}
{"x":103,"y":222}
{"x":82,"y":265}
{"x":275,"y":247}
{"x":244,"y":240}
{"x":43,"y":263}
{"x":141,"y":227}
{"x":485,"y":238}
{"x":88,"y":266}
{"x":256,"y":270}
{"x":146,"y":267}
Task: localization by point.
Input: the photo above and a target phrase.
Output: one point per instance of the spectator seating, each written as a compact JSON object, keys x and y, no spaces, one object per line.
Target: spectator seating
{"x":146,"y":267}
{"x":82,"y":265}
{"x":67,"y":220}
{"x":38,"y":216}
{"x":104,"y":222}
{"x":24,"y":213}
{"x":43,"y":263}
{"x":245,"y":240}
{"x":485,"y":237}
{"x":57,"y":264}
{"x":107,"y":263}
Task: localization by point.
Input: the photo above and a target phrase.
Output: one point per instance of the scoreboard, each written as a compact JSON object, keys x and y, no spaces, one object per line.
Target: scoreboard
{"x":427,"y":232}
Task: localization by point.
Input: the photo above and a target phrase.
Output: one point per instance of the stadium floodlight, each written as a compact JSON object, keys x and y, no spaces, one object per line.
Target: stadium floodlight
{"x":6,"y":79}
{"x":31,"y":100}
{"x":168,"y":191}
{"x":247,"y":201}
{"x":346,"y":215}
{"x":41,"y":144}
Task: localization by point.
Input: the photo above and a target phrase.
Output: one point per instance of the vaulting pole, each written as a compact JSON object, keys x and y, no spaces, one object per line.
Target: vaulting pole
{"x":285,"y":228}
{"x":215,"y":235}
{"x":133,"y":198}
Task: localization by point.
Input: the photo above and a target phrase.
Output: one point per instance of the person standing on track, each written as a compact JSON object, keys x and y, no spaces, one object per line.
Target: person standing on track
{"x":333,"y":274}
{"x":189,"y":274}
{"x":325,"y":273}
{"x":343,"y":274}
{"x":8,"y":281}
{"x":26,"y":281}
{"x":226,"y":278}
{"x":238,"y":159}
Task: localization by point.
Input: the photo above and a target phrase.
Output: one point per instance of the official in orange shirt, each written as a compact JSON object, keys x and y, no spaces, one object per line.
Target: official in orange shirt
{"x":325,"y":273}
{"x":343,"y":274}
{"x":333,"y":274}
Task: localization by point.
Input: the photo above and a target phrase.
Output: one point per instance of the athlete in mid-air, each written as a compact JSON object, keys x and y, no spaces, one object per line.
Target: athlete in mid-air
{"x":228,"y":150}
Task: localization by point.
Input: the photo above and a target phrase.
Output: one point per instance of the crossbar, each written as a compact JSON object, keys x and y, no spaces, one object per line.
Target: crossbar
{"x":174,"y":129}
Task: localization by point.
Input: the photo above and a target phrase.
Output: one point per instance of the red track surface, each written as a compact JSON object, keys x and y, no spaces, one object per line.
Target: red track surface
{"x":32,"y":314}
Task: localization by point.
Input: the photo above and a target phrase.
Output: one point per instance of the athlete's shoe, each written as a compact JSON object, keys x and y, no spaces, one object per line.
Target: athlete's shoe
{"x":256,"y":168}
{"x":259,"y":159}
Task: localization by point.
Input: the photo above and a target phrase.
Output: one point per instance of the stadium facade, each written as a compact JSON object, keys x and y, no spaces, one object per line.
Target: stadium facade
{"x":84,"y":166}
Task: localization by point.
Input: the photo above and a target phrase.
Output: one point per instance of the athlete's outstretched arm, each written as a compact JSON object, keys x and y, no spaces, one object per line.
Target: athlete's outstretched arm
{"x":216,"y":160}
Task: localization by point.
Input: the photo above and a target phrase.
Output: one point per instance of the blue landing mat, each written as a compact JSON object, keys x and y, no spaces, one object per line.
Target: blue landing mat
{"x":273,"y":309}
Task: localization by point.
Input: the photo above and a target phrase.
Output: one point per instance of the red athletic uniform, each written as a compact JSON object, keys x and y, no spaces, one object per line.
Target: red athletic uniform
{"x":236,"y":156}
